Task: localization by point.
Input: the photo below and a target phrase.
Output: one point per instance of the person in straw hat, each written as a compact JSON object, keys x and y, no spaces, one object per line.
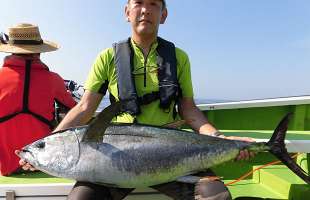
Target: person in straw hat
{"x":151,"y":76}
{"x":28,"y":91}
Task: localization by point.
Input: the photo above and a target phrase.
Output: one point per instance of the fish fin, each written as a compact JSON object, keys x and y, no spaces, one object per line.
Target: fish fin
{"x":277,"y":148}
{"x":110,"y":185}
{"x":197,"y":179}
{"x":189,"y":179}
{"x":99,"y":124}
{"x":175,"y":124}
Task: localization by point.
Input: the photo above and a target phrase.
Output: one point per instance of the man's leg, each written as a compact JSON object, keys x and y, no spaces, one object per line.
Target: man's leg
{"x":90,"y":191}
{"x":207,"y":189}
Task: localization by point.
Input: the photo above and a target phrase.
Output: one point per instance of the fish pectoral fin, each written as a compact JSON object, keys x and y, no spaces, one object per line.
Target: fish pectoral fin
{"x":209,"y":178}
{"x":197,"y":179}
{"x":101,"y":122}
{"x":177,"y":124}
{"x":189,"y":179}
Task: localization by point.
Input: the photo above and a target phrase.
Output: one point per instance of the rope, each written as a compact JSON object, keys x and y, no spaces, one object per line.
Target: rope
{"x":258,"y":168}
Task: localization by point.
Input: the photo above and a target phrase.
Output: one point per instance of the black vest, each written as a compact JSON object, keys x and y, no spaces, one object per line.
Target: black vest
{"x":169,"y":89}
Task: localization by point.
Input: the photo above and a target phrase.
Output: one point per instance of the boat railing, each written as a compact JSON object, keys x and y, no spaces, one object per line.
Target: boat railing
{"x":268,"y":102}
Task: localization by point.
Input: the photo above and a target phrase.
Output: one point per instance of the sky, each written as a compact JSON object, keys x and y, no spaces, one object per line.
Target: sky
{"x":238,"y":49}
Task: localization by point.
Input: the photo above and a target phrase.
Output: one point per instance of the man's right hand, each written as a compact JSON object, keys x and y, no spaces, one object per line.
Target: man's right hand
{"x":243,"y":154}
{"x":25,"y":166}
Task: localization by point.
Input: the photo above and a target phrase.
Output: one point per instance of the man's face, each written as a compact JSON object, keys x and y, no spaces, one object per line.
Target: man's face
{"x":145,"y":15}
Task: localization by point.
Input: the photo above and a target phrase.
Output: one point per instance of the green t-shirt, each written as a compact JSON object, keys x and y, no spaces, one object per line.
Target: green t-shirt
{"x":104,"y":70}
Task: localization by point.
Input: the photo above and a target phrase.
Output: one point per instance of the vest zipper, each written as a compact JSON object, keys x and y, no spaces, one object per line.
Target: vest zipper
{"x":145,"y":62}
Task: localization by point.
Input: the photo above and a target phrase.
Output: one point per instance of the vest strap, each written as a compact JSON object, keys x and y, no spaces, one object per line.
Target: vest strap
{"x":8,"y":117}
{"x":25,"y":109}
{"x":167,"y":73}
{"x":148,"y":98}
{"x":26,"y":86}
{"x":124,"y":66}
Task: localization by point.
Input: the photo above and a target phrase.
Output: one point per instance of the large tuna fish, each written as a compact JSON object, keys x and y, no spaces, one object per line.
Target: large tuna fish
{"x":132,"y":155}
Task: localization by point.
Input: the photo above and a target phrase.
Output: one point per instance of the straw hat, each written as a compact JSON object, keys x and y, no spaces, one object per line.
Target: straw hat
{"x":25,"y":39}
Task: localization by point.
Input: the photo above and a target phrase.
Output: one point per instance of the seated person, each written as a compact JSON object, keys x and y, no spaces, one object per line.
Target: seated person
{"x":28,"y":92}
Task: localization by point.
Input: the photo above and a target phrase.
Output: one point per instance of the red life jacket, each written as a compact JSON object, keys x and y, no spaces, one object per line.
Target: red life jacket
{"x":28,"y":91}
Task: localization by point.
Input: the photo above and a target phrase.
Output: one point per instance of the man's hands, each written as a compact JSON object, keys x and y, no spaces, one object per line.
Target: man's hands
{"x":243,"y":154}
{"x":25,"y":166}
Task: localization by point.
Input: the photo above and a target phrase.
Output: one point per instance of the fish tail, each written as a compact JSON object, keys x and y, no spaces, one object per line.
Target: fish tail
{"x":277,"y":148}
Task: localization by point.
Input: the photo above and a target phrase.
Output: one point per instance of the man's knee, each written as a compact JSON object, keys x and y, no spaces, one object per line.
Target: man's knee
{"x":212,"y":190}
{"x":89,"y":191}
{"x":80,"y":192}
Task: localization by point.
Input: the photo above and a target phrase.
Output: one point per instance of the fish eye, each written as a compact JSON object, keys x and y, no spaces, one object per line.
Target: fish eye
{"x":40,"y":144}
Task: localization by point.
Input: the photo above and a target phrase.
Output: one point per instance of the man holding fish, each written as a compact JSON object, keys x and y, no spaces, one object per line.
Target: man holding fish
{"x":152,"y":77}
